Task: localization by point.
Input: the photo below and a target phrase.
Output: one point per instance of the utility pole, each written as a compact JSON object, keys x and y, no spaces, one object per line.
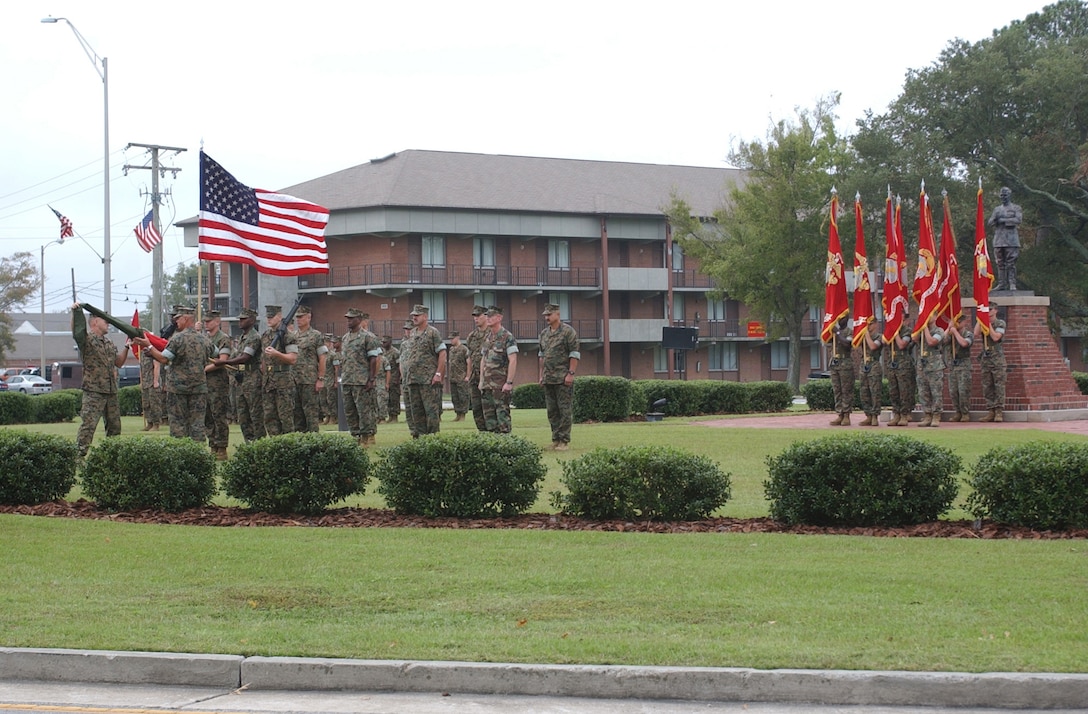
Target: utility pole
{"x":156,"y":199}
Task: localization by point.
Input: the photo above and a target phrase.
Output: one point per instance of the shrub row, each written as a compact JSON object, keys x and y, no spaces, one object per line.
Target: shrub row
{"x":855,"y":479}
{"x":820,"y":396}
{"x":60,"y":406}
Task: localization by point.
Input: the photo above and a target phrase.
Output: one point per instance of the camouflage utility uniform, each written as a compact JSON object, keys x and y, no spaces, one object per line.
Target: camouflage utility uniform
{"x":871,"y":383}
{"x":150,"y":392}
{"x":475,"y":343}
{"x":901,"y":372}
{"x":493,"y":375}
{"x":426,"y":410}
{"x":358,"y":378}
{"x":311,"y":349}
{"x":99,"y":356}
{"x":279,"y":385}
{"x":557,"y":348}
{"x":931,"y":378}
{"x":959,"y":377}
{"x":457,"y":366}
{"x":186,"y":384}
{"x":392,"y":356}
{"x":841,"y":368}
{"x":217,"y":423}
{"x":251,"y":395}
{"x":993,"y":368}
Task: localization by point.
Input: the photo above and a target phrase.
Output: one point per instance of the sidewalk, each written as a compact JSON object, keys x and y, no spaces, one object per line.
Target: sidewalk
{"x":1069,"y":421}
{"x":231,"y":683}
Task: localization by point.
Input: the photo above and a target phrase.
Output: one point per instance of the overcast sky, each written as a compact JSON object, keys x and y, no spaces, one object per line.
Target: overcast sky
{"x":282,"y":93}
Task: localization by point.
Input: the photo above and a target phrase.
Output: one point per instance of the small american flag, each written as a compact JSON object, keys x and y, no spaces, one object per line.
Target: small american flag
{"x":146,"y":235}
{"x":275,"y":233}
{"x":65,"y":225}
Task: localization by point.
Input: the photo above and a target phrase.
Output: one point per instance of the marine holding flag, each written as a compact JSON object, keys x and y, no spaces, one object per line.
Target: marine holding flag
{"x":836,"y":323}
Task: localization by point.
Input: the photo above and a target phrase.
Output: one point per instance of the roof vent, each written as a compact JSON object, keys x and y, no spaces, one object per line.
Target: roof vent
{"x":384,"y":158}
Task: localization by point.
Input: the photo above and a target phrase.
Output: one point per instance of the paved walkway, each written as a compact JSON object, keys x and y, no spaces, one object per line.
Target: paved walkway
{"x":1073,"y":421}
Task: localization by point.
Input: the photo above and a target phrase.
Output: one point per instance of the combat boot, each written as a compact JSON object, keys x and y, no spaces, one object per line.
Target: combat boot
{"x":955,"y":417}
{"x":460,"y":417}
{"x":845,"y":419}
{"x":837,"y":420}
{"x":936,"y":420}
{"x":221,"y":453}
{"x":999,"y":415}
{"x":965,"y":416}
{"x":990,"y":416}
{"x":562,"y":446}
{"x":926,"y":419}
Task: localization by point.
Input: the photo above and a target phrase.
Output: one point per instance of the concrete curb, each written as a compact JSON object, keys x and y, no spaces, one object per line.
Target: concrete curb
{"x":831,"y":687}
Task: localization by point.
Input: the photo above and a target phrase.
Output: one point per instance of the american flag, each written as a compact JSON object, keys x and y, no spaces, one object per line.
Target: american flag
{"x":275,"y":233}
{"x":146,"y":235}
{"x":65,"y":225}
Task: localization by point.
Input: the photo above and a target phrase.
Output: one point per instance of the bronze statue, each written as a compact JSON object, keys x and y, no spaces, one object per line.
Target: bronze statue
{"x":1005,"y":220}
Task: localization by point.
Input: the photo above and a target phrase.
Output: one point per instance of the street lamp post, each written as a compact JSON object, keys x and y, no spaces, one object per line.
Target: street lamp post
{"x":42,"y":330}
{"x":104,"y":73}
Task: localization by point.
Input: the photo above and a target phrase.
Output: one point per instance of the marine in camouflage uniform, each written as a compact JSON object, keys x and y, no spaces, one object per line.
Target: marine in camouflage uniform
{"x":959,"y":376}
{"x":100,"y":358}
{"x":871,"y":378}
{"x":424,"y":374}
{"x":558,"y":363}
{"x":475,"y":344}
{"x":187,"y":353}
{"x":330,"y":397}
{"x":277,"y":365}
{"x":993,"y":367}
{"x":457,"y":364}
{"x":931,"y":372}
{"x":310,"y":372}
{"x":901,"y":372}
{"x":216,"y":422}
{"x":392,"y":355}
{"x":381,"y":387}
{"x":405,"y":356}
{"x":250,"y":402}
{"x":150,"y":392}
{"x":498,"y":368}
{"x":841,"y":368}
{"x":358,"y":374}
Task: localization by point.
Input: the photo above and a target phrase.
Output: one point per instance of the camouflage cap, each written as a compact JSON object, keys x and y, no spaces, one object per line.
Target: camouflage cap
{"x":183,"y":310}
{"x":494,"y":310}
{"x":408,"y":324}
{"x":550,"y":308}
{"x":420,"y":310}
{"x":478,"y":310}
{"x":212,"y":315}
{"x":329,"y":337}
{"x":303,"y":310}
{"x":453,"y":334}
{"x":272,"y":310}
{"x":354,"y":312}
{"x":387,"y":338}
{"x":247,"y":312}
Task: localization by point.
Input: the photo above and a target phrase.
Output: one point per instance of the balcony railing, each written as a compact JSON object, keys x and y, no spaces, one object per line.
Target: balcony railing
{"x":691,"y":279}
{"x":523,"y":330}
{"x":402,"y":274}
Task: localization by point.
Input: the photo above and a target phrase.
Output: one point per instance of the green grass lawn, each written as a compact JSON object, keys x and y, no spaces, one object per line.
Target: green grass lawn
{"x":726,"y":599}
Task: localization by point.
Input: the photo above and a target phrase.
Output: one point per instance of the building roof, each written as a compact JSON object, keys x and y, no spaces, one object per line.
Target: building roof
{"x":518,"y":183}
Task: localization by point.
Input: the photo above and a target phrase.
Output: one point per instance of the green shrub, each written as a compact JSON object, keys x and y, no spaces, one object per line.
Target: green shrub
{"x":769,"y":396}
{"x":130,"y":472}
{"x":1038,"y":484}
{"x":129,"y":399}
{"x":642,"y":482}
{"x":682,"y":398}
{"x":296,"y":473}
{"x":606,"y":399}
{"x":465,"y":475}
{"x":725,"y":398}
{"x":819,"y":395}
{"x":14,"y":408}
{"x":54,"y":407}
{"x":861,"y":480}
{"x":35,"y":468}
{"x":528,"y":396}
{"x":1082,"y":381}
{"x":76,"y":394}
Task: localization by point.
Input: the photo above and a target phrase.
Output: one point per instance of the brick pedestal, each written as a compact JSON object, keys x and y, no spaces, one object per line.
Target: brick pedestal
{"x":1038,"y":378}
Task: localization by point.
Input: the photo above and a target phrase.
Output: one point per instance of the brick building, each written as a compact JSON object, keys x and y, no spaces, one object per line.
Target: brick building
{"x":450,"y":230}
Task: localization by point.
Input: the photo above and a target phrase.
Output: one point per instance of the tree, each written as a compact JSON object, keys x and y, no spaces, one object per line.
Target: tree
{"x":767,"y":246}
{"x":1013,"y":110}
{"x":19,"y":279}
{"x":178,"y":289}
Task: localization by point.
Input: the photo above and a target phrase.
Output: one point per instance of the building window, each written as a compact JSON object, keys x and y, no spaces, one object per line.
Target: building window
{"x":722,"y":356}
{"x":677,"y":258}
{"x":814,"y":357}
{"x":434,"y":252}
{"x":558,"y":254}
{"x":435,"y":300}
{"x":661,"y":359}
{"x":563,"y":301}
{"x":715,"y":310}
{"x":780,"y":354}
{"x":486,"y":298}
{"x":677,"y":308}
{"x":483,"y":252}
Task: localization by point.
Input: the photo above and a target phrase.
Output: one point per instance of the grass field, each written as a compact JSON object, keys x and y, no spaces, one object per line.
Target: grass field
{"x":758,"y":600}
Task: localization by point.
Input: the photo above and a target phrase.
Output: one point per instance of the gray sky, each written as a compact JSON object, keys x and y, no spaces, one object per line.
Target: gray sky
{"x":280,"y":94}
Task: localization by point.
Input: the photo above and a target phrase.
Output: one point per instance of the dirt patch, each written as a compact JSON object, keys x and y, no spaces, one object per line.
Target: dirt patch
{"x":230,"y":517}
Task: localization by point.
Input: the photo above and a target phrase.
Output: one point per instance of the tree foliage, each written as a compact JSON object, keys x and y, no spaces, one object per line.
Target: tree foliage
{"x":176,"y":291}
{"x":1011,"y":109}
{"x":19,"y":279}
{"x":767,"y":246}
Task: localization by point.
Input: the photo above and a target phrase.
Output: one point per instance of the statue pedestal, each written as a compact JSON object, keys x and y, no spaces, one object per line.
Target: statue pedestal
{"x":1038,"y":378}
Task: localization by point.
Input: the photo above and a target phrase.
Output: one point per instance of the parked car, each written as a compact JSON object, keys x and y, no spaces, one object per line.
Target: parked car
{"x":28,"y":384}
{"x":128,"y":375}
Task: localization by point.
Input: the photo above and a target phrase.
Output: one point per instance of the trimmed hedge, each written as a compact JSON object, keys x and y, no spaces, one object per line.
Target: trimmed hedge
{"x":1040,"y":485}
{"x":528,"y":396}
{"x":1081,"y":379}
{"x":14,"y":408}
{"x":642,"y":482}
{"x":607,"y":399}
{"x":297,"y":472}
{"x":35,"y":468}
{"x":861,"y":479}
{"x":55,"y":407}
{"x":130,"y":402}
{"x":464,"y":475}
{"x":130,"y":472}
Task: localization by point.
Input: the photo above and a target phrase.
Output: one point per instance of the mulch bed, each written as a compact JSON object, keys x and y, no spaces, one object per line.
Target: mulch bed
{"x":232,"y":517}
